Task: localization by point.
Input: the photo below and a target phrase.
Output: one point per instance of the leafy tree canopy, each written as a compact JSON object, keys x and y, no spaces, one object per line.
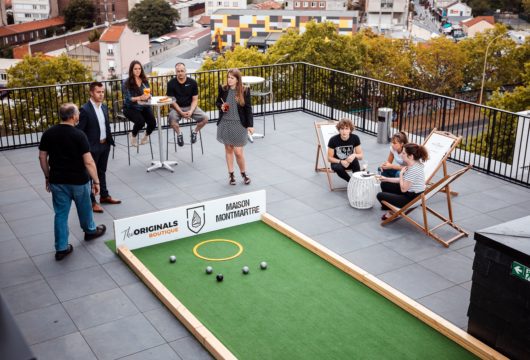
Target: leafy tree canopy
{"x":79,"y":13}
{"x":517,"y":100}
{"x":153,"y":17}
{"x":40,"y":70}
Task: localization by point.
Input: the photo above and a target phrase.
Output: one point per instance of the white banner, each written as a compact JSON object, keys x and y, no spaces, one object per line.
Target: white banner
{"x":177,"y":223}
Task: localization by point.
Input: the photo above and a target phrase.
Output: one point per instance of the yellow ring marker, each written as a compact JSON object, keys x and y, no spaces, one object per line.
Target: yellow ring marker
{"x":196,"y":248}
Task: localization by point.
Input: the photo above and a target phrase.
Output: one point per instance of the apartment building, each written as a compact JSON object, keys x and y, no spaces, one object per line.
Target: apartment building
{"x":31,"y":10}
{"x":316,"y":5}
{"x":383,"y":15}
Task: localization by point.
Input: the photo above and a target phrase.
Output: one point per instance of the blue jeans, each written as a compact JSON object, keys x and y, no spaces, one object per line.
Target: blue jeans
{"x":62,"y":196}
{"x":389,"y":173}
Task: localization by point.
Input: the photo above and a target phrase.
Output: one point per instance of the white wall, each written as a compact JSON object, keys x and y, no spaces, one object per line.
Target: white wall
{"x":212,"y":5}
{"x":30,"y":10}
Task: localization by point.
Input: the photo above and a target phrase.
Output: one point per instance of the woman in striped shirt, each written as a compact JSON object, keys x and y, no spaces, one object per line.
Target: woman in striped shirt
{"x":411,"y":182}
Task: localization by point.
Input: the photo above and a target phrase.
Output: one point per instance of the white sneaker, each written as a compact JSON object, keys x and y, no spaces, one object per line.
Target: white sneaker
{"x":145,"y":140}
{"x":133,"y":140}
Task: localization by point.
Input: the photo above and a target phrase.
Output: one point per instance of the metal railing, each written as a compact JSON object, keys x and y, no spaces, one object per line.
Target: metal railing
{"x":494,"y":141}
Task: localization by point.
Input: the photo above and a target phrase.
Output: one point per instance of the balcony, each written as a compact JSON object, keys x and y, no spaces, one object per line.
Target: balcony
{"x":91,"y":299}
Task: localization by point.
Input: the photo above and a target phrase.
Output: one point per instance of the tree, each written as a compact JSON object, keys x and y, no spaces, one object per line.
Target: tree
{"x":437,"y":66}
{"x":153,"y":17}
{"x":34,"y":109}
{"x":518,"y":99}
{"x":40,"y":70}
{"x":79,"y":14}
{"x":526,"y":7}
{"x":387,"y":59}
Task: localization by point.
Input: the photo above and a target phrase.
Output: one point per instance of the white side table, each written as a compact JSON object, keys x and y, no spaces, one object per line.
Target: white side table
{"x":361,"y":190}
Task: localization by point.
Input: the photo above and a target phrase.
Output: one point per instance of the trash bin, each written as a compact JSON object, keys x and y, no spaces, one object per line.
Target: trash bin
{"x":384,"y":119}
{"x":499,"y":309}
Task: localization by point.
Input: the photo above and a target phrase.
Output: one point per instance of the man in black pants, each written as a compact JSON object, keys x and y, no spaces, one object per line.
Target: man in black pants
{"x":94,"y":122}
{"x":186,"y":92}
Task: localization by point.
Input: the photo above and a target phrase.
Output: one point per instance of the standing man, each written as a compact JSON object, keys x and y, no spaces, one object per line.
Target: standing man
{"x":94,"y":122}
{"x":186,"y":92}
{"x":67,"y":165}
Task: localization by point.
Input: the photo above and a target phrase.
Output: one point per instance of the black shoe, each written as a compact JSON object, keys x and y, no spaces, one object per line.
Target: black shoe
{"x":246,"y":179}
{"x":100,"y":230}
{"x":193,"y":137}
{"x":59,"y":255}
{"x":180,"y":140}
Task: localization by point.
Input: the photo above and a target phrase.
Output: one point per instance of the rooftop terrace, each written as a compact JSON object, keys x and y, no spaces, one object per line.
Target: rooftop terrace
{"x":90,"y":305}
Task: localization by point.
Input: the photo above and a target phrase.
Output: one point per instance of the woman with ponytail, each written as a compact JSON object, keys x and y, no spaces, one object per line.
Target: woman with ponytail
{"x":411,"y":181}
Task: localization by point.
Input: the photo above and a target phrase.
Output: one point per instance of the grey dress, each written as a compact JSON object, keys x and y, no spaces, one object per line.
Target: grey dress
{"x":230,"y":131}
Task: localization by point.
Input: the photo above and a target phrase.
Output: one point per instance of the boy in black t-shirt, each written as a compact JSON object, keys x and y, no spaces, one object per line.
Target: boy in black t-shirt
{"x":344,"y":150}
{"x":186,"y":92}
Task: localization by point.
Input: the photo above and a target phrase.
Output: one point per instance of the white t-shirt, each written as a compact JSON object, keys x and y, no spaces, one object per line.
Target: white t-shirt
{"x":397,"y":157}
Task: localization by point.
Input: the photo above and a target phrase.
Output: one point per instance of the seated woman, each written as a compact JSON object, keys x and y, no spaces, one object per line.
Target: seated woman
{"x":411,"y":181}
{"x":133,"y":93}
{"x":388,"y":169}
{"x":344,"y":150}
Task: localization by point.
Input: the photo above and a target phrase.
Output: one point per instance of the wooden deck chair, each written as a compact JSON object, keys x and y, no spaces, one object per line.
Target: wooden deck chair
{"x":421,"y":201}
{"x":324,"y":131}
{"x":440,"y":145}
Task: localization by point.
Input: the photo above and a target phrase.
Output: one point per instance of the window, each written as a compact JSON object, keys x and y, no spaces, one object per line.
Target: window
{"x":297,"y":4}
{"x":227,"y":3}
{"x":314,"y":4}
{"x":306,"y":4}
{"x":387,"y":4}
{"x":42,"y":7}
{"x":34,"y":7}
{"x":27,"y":16}
{"x":110,"y":50}
{"x":235,"y":4}
{"x":286,"y":4}
{"x":322,"y":4}
{"x":210,"y":3}
{"x":3,"y":76}
{"x":219,"y":3}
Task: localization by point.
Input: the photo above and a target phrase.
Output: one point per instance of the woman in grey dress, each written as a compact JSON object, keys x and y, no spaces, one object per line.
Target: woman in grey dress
{"x":235,"y":122}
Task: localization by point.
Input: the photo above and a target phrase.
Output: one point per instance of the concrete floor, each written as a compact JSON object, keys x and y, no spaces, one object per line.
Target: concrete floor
{"x":91,"y":306}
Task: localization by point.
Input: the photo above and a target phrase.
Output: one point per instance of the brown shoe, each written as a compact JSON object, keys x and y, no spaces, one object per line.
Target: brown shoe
{"x":96,"y":208}
{"x":109,"y":200}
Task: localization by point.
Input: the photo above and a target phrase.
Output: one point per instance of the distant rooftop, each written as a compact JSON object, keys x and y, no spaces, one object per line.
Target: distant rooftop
{"x":112,"y":34}
{"x":31,"y":26}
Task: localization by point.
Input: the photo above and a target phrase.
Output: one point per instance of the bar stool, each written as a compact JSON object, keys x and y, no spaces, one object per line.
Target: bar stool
{"x":184,"y":122}
{"x":120,"y":117}
{"x":265,"y":93}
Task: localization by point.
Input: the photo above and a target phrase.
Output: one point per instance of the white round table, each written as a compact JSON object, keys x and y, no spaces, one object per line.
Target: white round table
{"x":156,"y":102}
{"x":362,"y":190}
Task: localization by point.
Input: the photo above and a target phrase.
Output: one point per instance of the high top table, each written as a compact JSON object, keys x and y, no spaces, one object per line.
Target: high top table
{"x":156,"y":103}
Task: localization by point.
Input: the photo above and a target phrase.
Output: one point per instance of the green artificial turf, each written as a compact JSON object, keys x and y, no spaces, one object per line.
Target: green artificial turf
{"x":301,"y":307}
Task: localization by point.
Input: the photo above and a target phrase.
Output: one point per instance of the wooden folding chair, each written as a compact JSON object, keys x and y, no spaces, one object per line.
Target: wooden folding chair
{"x":440,"y":145}
{"x":421,"y":201}
{"x":325,"y":130}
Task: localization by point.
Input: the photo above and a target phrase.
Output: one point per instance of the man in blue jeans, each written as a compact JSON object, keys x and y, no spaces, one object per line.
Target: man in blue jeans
{"x":67,"y":164}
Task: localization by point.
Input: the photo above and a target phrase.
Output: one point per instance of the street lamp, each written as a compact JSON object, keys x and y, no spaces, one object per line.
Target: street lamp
{"x":485,"y":62}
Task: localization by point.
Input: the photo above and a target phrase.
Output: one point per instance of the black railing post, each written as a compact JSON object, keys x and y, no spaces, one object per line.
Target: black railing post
{"x":304,"y":87}
{"x":444,"y":107}
{"x":491,"y":141}
{"x":332,"y":94}
{"x":365,"y":103}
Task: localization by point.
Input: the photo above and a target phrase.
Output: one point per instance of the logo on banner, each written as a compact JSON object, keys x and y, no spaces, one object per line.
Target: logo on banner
{"x":196,"y":218}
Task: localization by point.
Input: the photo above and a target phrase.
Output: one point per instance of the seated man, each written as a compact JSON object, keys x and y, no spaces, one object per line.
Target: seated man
{"x":344,"y":150}
{"x":186,"y":92}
